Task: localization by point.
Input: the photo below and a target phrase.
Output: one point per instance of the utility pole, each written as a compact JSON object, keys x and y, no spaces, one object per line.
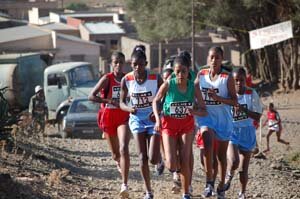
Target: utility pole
{"x":193,"y":36}
{"x":159,"y":56}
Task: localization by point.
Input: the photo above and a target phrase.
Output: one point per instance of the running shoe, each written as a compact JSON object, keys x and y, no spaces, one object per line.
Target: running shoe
{"x":208,"y":191}
{"x":186,"y":196}
{"x":148,"y":195}
{"x":124,"y":192}
{"x":175,"y":189}
{"x":242,"y":195}
{"x":176,"y":179}
{"x":220,"y":193}
{"x":228,"y":180}
{"x":160,"y":167}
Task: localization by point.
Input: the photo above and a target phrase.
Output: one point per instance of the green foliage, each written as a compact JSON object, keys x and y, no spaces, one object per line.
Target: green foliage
{"x":158,"y":20}
{"x":168,"y":19}
{"x":77,"y":6}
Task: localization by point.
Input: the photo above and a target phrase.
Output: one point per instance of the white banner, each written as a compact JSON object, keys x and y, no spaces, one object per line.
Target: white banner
{"x":269,"y":35}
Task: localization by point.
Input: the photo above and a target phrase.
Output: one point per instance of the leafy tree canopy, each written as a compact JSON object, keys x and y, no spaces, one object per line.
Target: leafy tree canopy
{"x":77,"y":6}
{"x":157,"y":20}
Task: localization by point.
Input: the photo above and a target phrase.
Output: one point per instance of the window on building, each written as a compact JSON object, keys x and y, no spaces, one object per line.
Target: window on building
{"x":4,"y":11}
{"x":101,"y":42}
{"x":77,"y":57}
{"x":114,"y":44}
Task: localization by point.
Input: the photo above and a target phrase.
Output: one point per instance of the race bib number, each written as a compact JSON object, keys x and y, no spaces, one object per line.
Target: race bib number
{"x":141,"y":100}
{"x":116,"y":93}
{"x":239,"y":115}
{"x":115,"y":96}
{"x":180,"y":109}
{"x":208,"y":100}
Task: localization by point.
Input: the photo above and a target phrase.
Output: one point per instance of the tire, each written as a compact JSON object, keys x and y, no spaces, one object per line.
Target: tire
{"x":62,"y":113}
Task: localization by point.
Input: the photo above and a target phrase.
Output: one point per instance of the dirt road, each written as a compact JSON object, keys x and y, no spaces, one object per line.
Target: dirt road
{"x":72,"y":168}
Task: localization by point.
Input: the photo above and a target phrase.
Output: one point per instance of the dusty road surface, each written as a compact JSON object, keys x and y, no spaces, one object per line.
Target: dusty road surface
{"x":53,"y":167}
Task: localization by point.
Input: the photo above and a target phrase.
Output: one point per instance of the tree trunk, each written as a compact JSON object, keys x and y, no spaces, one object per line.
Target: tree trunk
{"x":284,"y":67}
{"x":294,"y":64}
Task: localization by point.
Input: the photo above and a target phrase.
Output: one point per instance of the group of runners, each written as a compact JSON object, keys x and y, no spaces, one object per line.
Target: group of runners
{"x":165,"y":115}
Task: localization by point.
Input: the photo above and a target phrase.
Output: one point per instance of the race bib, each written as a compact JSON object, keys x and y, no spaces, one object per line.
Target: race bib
{"x":116,"y":93}
{"x":239,"y":115}
{"x":208,"y":100}
{"x":180,"y":109}
{"x":141,"y":100}
{"x":115,"y":96}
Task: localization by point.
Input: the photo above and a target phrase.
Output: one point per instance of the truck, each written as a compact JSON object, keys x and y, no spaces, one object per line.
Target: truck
{"x":20,"y":73}
{"x":65,"y":81}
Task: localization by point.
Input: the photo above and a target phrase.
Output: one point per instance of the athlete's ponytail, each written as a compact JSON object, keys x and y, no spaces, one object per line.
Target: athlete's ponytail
{"x":139,"y":52}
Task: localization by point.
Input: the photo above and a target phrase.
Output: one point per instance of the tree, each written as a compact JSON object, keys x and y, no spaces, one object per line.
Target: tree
{"x":162,"y":20}
{"x":273,"y":63}
{"x":77,"y":7}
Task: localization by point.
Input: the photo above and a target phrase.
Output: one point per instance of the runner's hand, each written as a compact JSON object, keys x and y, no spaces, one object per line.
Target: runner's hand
{"x":152,"y":117}
{"x":115,"y":103}
{"x":157,"y":126}
{"x":133,"y":110}
{"x":190,"y":111}
{"x":212,"y":94}
{"x":238,"y":108}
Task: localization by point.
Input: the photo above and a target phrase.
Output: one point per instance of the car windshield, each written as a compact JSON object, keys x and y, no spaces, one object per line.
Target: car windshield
{"x":84,"y":106}
{"x":81,"y":75}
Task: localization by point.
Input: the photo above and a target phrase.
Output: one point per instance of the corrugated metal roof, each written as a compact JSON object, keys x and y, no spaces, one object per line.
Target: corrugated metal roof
{"x":58,"y":26}
{"x":104,"y":28}
{"x":17,"y":55}
{"x":90,"y":15}
{"x":77,"y":39}
{"x":20,"y":33}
